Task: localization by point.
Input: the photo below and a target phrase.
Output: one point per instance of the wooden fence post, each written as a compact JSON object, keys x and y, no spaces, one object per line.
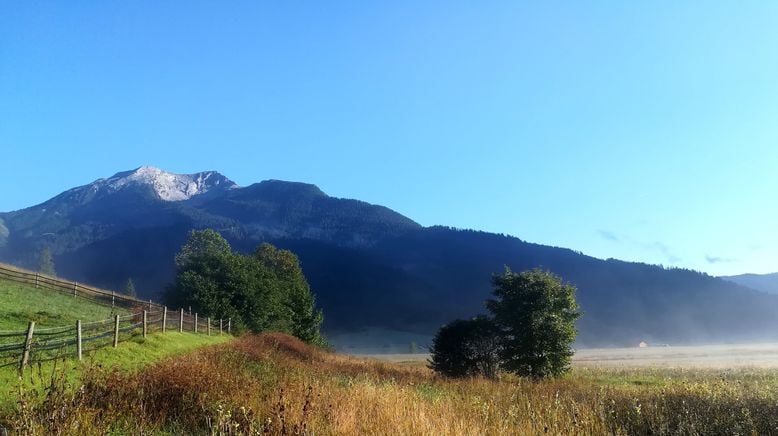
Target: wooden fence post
{"x":195,"y":323}
{"x":36,"y":280}
{"x":149,"y":304}
{"x":164,"y":318}
{"x":78,"y":339}
{"x":229,"y":326}
{"x":181,"y":321}
{"x":221,"y":326}
{"x":145,"y":323}
{"x":27,"y":345}
{"x":74,"y":288}
{"x":116,"y":332}
{"x":113,"y":298}
{"x":208,"y":321}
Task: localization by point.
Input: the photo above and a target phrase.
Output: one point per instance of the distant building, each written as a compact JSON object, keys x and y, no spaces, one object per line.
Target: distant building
{"x":643,"y":344}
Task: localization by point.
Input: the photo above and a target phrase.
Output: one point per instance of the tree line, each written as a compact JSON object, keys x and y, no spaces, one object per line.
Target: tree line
{"x":262,"y":291}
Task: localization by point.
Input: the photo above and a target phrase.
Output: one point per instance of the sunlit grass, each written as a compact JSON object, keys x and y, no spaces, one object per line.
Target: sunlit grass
{"x":128,"y":357}
{"x":273,"y":383}
{"x":20,"y":303}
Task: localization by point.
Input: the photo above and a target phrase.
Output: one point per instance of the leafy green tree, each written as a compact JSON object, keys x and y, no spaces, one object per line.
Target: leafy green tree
{"x":536,"y":313}
{"x":466,"y":348}
{"x":297,"y":301}
{"x":129,"y":288}
{"x":215,"y":282}
{"x":203,"y":248}
{"x":46,"y":263}
{"x":265,"y":291}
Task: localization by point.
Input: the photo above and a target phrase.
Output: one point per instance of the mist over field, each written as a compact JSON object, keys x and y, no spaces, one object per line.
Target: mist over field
{"x":754,"y":355}
{"x":690,"y":357}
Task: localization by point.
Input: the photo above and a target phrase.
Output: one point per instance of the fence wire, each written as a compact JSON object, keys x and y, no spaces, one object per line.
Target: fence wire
{"x":100,"y":296}
{"x":20,"y":347}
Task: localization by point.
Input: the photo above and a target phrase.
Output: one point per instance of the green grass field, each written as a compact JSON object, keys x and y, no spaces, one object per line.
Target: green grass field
{"x":130,"y":356}
{"x":20,"y":304}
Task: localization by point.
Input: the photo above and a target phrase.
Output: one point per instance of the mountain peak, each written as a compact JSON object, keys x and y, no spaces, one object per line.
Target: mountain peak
{"x":168,"y":186}
{"x":283,"y":187}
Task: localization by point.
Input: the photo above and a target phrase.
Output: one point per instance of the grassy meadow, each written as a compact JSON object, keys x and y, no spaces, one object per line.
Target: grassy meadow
{"x":129,"y":357}
{"x":21,"y":303}
{"x":182,"y":383}
{"x":272,"y":383}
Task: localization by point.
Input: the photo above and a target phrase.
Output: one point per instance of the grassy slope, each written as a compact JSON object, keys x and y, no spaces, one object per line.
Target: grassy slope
{"x":130,"y":356}
{"x":273,"y":383}
{"x":20,"y":304}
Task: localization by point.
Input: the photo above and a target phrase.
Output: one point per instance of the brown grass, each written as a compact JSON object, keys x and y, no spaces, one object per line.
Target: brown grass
{"x":274,"y":384}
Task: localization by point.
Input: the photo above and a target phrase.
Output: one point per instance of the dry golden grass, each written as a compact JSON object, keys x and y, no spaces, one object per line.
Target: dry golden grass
{"x":274,"y":384}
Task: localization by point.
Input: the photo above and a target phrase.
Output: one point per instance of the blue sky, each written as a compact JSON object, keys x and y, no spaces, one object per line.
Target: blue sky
{"x":638,"y":131}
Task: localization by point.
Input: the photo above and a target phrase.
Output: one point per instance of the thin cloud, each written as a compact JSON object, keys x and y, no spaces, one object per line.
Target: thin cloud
{"x":665,"y":250}
{"x":716,"y":259}
{"x":608,"y":236}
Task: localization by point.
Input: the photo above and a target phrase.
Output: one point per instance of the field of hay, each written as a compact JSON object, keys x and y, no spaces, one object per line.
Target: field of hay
{"x":708,"y":356}
{"x":274,"y":384}
{"x":760,"y":355}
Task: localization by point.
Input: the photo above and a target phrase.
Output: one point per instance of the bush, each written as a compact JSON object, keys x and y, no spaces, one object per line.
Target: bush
{"x":466,"y":348}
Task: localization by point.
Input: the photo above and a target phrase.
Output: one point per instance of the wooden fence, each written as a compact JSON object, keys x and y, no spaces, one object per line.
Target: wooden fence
{"x":99,"y":296}
{"x":23,"y":347}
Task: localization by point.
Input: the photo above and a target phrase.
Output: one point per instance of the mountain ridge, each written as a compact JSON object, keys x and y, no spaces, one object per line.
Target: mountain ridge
{"x":369,"y":265}
{"x":767,"y":283}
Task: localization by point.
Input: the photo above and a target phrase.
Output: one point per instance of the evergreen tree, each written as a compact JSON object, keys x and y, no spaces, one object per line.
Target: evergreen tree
{"x":129,"y":288}
{"x":46,"y":263}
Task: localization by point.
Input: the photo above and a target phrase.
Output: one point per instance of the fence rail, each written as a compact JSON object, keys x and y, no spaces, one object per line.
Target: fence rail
{"x":99,"y":296}
{"x":23,"y":347}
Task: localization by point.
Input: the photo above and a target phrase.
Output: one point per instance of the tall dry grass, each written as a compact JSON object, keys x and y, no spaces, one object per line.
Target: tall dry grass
{"x":274,"y":384}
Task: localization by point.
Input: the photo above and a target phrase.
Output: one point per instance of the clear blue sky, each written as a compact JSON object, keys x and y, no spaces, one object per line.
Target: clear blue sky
{"x":638,"y":131}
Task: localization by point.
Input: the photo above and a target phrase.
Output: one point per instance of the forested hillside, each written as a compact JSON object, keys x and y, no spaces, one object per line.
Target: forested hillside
{"x":368,"y":265}
{"x":761,"y":282}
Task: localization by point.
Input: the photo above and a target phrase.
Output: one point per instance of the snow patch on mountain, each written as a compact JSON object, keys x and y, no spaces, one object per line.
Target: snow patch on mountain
{"x":168,"y":186}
